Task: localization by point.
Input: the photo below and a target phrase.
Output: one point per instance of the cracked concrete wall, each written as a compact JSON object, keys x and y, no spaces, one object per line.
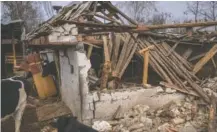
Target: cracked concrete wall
{"x":89,"y":106}
{"x":84,"y":66}
{"x":74,"y":67}
{"x":104,"y":106}
{"x":69,"y":88}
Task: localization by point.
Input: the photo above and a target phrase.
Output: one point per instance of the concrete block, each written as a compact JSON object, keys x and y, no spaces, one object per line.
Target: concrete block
{"x":87,"y":114}
{"x":95,"y":96}
{"x":164,"y":127}
{"x":105,"y":97}
{"x":91,"y":106}
{"x":120,"y":95}
{"x":134,"y":99}
{"x":178,"y":120}
{"x":170,"y":90}
{"x":88,"y":98}
{"x":86,"y":106}
{"x":105,"y":110}
{"x":159,"y":89}
{"x":188,"y":128}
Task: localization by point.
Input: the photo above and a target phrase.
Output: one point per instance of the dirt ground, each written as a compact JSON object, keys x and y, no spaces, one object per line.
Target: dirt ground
{"x":34,"y":121}
{"x":29,"y":122}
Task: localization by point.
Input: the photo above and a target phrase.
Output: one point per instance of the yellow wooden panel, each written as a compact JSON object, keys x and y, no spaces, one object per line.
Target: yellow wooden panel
{"x":45,"y":85}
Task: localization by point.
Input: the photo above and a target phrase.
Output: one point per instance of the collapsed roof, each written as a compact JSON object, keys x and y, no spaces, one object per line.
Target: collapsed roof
{"x":94,"y":15}
{"x":103,"y":18}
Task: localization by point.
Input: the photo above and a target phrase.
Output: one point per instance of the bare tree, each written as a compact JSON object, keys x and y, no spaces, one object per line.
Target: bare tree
{"x":206,"y":10}
{"x":194,"y":8}
{"x":47,"y":8}
{"x":138,"y":10}
{"x":209,"y":10}
{"x":159,"y":18}
{"x":25,"y":10}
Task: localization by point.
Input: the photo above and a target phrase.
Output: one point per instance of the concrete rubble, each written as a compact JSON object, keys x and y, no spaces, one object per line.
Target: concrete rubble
{"x":101,"y":126}
{"x":189,"y":115}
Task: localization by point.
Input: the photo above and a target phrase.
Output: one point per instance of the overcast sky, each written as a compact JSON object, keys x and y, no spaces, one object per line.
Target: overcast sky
{"x":175,"y":7}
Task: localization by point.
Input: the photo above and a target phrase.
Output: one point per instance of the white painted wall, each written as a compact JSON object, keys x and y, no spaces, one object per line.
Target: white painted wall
{"x":70,"y":81}
{"x":103,"y":106}
{"x":75,"y":91}
{"x":74,"y":86}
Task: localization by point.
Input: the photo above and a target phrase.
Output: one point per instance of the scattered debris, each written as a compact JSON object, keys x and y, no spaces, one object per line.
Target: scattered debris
{"x":169,"y":90}
{"x":101,"y":126}
{"x":159,"y":89}
{"x":52,"y":110}
{"x":181,"y":116}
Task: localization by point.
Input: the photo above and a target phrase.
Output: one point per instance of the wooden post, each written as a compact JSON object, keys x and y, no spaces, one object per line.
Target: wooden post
{"x":107,"y":64}
{"x":89,"y":52}
{"x":14,"y":51}
{"x":145,"y":53}
{"x":22,"y":38}
{"x":145,"y":70}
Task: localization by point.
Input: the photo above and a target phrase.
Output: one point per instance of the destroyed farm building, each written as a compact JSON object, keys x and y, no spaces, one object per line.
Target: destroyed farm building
{"x":105,"y":59}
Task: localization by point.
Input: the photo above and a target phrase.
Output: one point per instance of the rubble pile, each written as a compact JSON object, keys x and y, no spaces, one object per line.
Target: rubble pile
{"x":175,"y":116}
{"x":210,"y":86}
{"x":189,"y":115}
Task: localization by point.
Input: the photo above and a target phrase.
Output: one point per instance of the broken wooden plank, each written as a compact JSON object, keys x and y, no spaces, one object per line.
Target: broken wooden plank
{"x":116,"y":50}
{"x":205,"y":59}
{"x":121,"y":13}
{"x":105,"y":75}
{"x":187,"y":53}
{"x":122,"y":54}
{"x":50,"y":111}
{"x":89,"y":52}
{"x":197,"y":57}
{"x":107,"y":64}
{"x":106,"y":49}
{"x":173,"y":48}
{"x":111,"y":44}
{"x":183,"y":25}
{"x":146,"y":49}
{"x":178,"y":89}
{"x":214,"y":64}
{"x":127,"y":61}
{"x":88,"y":24}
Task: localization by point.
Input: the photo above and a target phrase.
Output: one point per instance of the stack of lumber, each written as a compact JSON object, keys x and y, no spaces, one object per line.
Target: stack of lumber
{"x":173,"y":68}
{"x":118,"y":50}
{"x":9,"y":58}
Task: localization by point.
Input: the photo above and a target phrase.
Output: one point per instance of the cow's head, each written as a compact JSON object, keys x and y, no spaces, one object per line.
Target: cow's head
{"x":65,"y":124}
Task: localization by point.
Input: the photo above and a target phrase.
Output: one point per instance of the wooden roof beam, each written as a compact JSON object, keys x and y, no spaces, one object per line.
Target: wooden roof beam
{"x":183,"y":25}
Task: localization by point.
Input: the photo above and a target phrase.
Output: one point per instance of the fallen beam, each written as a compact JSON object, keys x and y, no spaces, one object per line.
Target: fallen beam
{"x":184,"y":25}
{"x":205,"y":59}
{"x":88,"y":24}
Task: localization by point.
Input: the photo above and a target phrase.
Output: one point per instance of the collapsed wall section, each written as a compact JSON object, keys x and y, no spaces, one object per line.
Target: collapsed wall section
{"x":90,"y":106}
{"x":104,"y":105}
